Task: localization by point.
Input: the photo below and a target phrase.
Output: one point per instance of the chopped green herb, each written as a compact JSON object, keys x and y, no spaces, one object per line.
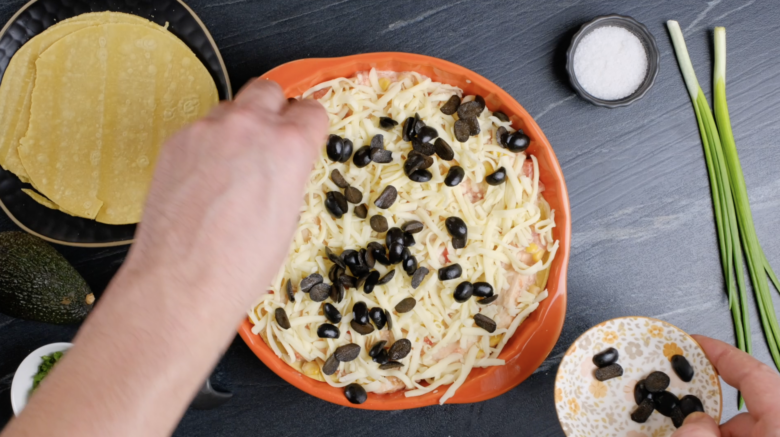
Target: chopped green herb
{"x":48,"y":363}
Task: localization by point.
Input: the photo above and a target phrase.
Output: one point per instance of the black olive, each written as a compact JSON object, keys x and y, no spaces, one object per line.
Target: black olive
{"x":338,"y":178}
{"x":320,"y":292}
{"x":414,"y":161}
{"x":326,"y":330}
{"x":657,"y":382}
{"x":353,"y":195}
{"x":355,"y":393}
{"x":517,"y":142}
{"x":452,"y":271}
{"x":290,"y":293}
{"x":456,"y":227}
{"x":483,"y":289}
{"x":337,"y":292}
{"x":391,"y":365}
{"x":281,"y":318}
{"x":335,"y":148}
{"x":361,"y":211}
{"x":408,"y":129}
{"x":497,"y":178}
{"x":677,"y":417}
{"x":405,"y":305}
{"x":378,"y":317}
{"x":409,"y":240}
{"x":470,"y":109}
{"x":682,"y":368}
{"x":370,"y":260}
{"x":376,"y":348}
{"x":378,"y":223}
{"x":691,"y":404}
{"x":386,"y":278}
{"x":418,"y":276}
{"x":381,"y":258}
{"x":361,"y":279}
{"x":349,"y":258}
{"x":454,"y":176}
{"x":371,"y":281}
{"x":381,"y":357}
{"x":378,"y":142}
{"x":459,"y":242}
{"x":331,"y":313}
{"x":609,"y":372}
{"x":381,"y":156}
{"x":480,"y":101}
{"x":347,"y":281}
{"x":387,"y":123}
{"x":451,"y":106}
{"x":463,"y":292}
{"x":346,"y":153}
{"x":361,"y":329}
{"x":472,"y":124}
{"x":418,"y":124}
{"x":331,"y":365}
{"x":606,"y":357}
{"x":360,"y":313}
{"x":425,"y":148}
{"x":640,"y":393}
{"x":359,"y":270}
{"x":387,"y":198}
{"x":310,"y":281}
{"x":395,"y":253}
{"x":488,"y":300}
{"x":362,"y":257}
{"x":394,"y":236}
{"x":335,"y":259}
{"x":443,"y":150}
{"x":421,"y":176}
{"x":389,"y":319}
{"x":336,"y":204}
{"x":427,"y":134}
{"x":461,"y":131}
{"x":665,"y":402}
{"x":410,"y":265}
{"x":362,"y":157}
{"x":501,"y":136}
{"x":501,"y":116}
{"x":412,"y":227}
{"x":400,"y":349}
{"x":643,"y":411}
{"x":485,"y":323}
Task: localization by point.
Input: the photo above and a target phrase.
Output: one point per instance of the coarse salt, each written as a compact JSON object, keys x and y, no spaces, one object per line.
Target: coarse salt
{"x":610,"y":63}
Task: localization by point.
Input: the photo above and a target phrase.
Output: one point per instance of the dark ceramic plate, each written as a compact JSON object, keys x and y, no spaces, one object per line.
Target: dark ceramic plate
{"x":35,"y":17}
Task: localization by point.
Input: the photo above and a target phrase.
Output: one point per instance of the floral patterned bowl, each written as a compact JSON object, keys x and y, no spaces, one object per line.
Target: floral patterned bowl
{"x":588,"y":407}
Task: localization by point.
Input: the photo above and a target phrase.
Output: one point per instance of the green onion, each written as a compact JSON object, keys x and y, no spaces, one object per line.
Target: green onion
{"x":733,"y":218}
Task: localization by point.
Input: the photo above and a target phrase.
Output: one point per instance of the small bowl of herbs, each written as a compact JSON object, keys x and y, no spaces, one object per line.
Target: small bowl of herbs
{"x":32,"y":371}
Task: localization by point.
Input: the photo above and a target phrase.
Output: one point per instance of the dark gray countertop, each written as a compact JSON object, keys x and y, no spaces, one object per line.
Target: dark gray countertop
{"x":644,"y":240}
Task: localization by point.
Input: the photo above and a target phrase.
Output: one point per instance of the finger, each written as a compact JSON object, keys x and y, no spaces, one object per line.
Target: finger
{"x":261,"y":96}
{"x":310,"y":119}
{"x":739,"y":425}
{"x":698,"y":425}
{"x":758,"y":383}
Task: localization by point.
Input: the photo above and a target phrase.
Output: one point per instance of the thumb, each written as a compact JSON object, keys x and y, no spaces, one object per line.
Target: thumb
{"x":698,"y":425}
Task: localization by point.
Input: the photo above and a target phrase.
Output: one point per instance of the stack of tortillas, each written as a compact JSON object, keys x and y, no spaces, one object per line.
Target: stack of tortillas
{"x":86,"y":105}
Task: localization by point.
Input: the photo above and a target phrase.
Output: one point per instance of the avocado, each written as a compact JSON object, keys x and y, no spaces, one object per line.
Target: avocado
{"x":37,"y":283}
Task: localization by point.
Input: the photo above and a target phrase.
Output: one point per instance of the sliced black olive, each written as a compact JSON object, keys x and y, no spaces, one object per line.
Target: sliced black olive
{"x":371,"y":281}
{"x":389,"y":319}
{"x":640,"y":393}
{"x":362,"y":257}
{"x":361,"y":279}
{"x":481,"y":102}
{"x":335,"y":148}
{"x":452,"y":271}
{"x":454,"y":176}
{"x":347,"y":353}
{"x":425,"y":148}
{"x":517,"y":142}
{"x":459,"y":242}
{"x":334,"y":272}
{"x":387,"y":198}
{"x":501,"y":116}
{"x":381,"y":258}
{"x":501,"y":136}
{"x":408,"y":129}
{"x":335,"y":259}
{"x":400,"y":349}
{"x":409,"y":240}
{"x":390,"y":365}
{"x":691,"y":404}
{"x":427,"y":134}
{"x":288,"y":288}
{"x":463,"y":292}
{"x":606,"y":357}
{"x":386,"y":278}
{"x":378,"y":142}
{"x":410,"y":265}
{"x":355,"y":393}
{"x":418,"y":276}
{"x":346,"y":152}
{"x":412,"y":227}
{"x":405,"y":305}
{"x":414,"y":161}
{"x":418,"y":124}
{"x":334,"y":204}
{"x":359,"y":270}
{"x":360,"y":313}
{"x":331,"y":313}
{"x":483,"y":289}
{"x":387,"y":123}
{"x":470,"y":109}
{"x":378,"y":223}
{"x":395,"y":253}
{"x":370,"y":260}
{"x":381,"y":357}
{"x":488,"y":300}
{"x":609,"y":372}
{"x":376,"y":348}
{"x":394,"y":236}
{"x":451,"y":106}
{"x":337,"y":292}
{"x":665,"y":402}
{"x":456,"y":227}
{"x":378,"y":317}
{"x":421,"y":176}
{"x":361,"y":211}
{"x":657,"y":382}
{"x":320,"y":292}
{"x":643,"y":411}
{"x":682,"y":368}
{"x":362,"y":157}
{"x":497,"y":178}
{"x":462,"y":130}
{"x":350,"y":257}
{"x":677,"y":417}
{"x":310,"y":281}
{"x":326,"y":330}
{"x":485,"y":323}
{"x":353,"y":195}
{"x":347,"y":281}
{"x":338,"y":179}
{"x":361,"y":329}
{"x":331,"y":365}
{"x":281,"y":318}
{"x":443,"y":150}
{"x":381,"y":156}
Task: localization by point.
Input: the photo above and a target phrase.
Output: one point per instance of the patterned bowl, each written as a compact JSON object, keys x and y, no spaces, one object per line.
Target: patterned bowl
{"x":588,"y":407}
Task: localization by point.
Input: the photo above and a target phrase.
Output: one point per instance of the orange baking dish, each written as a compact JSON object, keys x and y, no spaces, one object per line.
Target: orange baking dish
{"x":536,"y":337}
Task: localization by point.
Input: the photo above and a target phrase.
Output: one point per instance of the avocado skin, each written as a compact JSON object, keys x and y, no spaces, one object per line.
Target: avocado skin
{"x":37,"y":283}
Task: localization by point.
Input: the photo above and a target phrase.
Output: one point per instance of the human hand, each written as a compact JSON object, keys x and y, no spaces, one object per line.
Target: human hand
{"x":759,"y":385}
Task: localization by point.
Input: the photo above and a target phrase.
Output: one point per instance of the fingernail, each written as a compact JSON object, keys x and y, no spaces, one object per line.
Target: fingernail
{"x":695,"y":417}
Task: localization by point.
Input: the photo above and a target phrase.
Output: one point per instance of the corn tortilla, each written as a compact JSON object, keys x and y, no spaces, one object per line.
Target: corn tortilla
{"x":40,"y":199}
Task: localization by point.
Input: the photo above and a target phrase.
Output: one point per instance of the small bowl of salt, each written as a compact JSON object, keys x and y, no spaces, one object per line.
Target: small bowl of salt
{"x":612,"y":61}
